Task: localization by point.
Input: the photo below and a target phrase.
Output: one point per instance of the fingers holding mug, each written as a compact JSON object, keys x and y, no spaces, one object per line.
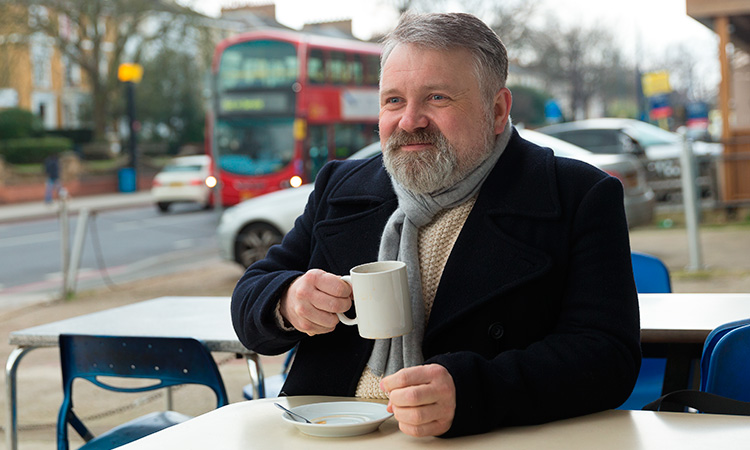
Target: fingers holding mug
{"x":312,"y":301}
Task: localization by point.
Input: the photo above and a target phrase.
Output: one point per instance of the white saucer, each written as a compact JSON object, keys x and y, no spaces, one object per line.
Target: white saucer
{"x":338,"y":419}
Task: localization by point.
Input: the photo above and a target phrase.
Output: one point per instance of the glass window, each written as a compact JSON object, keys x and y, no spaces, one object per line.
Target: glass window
{"x":254,"y":147}
{"x":372,"y":69}
{"x":357,"y":70}
{"x":350,"y":138}
{"x":338,"y":69}
{"x":315,"y":67}
{"x":317,"y":150}
{"x":597,"y":141}
{"x":258,"y":64}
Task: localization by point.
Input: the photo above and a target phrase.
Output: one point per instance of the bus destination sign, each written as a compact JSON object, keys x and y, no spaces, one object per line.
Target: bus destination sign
{"x":257,"y":103}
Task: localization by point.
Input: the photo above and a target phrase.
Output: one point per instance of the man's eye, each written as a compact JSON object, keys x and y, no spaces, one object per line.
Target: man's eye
{"x":393,"y":100}
{"x":438,"y":97}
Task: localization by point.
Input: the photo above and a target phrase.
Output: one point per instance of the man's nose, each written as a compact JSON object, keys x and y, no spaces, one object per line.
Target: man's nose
{"x":413,"y":118}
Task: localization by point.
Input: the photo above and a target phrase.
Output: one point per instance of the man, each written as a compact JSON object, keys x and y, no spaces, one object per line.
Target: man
{"x":519,"y":262}
{"x":52,"y":170}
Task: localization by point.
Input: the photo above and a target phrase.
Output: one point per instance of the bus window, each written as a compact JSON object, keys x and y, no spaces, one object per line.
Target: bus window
{"x":357,"y":70}
{"x":253,"y":146}
{"x":372,"y":69}
{"x":255,"y":64}
{"x":315,"y":67}
{"x":338,"y":69}
{"x":350,"y":138}
{"x":318,"y":150}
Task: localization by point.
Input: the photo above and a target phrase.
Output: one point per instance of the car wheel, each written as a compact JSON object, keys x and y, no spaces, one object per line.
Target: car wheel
{"x":254,"y":241}
{"x":163,"y":206}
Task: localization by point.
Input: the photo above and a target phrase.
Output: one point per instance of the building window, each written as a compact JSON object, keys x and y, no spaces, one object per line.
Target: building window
{"x":41,"y":62}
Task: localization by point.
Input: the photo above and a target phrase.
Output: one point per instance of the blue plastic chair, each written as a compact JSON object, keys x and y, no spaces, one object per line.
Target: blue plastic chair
{"x":728,"y":365}
{"x":650,"y":273}
{"x":271,"y":386}
{"x":651,"y":276}
{"x":710,"y":344}
{"x":170,"y":361}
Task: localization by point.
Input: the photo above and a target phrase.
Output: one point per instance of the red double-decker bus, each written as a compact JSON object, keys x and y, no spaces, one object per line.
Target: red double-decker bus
{"x":287,"y":102}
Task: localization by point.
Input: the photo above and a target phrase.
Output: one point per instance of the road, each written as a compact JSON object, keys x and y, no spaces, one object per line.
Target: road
{"x":119,"y":246}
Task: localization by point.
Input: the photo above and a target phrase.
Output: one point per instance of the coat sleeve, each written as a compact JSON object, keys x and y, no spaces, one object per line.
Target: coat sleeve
{"x":261,"y":287}
{"x":590,"y":360}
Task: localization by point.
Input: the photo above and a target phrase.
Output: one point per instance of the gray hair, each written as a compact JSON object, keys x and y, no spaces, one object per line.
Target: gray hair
{"x":452,"y":31}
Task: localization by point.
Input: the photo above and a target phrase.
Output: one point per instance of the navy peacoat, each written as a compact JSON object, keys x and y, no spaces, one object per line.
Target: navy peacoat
{"x":536,"y":314}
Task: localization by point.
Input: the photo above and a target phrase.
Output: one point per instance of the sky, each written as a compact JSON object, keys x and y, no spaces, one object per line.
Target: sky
{"x":645,"y":29}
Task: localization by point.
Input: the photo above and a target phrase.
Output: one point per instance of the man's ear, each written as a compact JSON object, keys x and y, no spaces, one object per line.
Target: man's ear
{"x":503,"y":102}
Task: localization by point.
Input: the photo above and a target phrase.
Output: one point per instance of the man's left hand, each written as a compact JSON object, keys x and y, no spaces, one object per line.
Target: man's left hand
{"x":422,"y":398}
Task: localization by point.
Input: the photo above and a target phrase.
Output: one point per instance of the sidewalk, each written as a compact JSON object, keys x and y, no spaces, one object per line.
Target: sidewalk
{"x":41,"y":210}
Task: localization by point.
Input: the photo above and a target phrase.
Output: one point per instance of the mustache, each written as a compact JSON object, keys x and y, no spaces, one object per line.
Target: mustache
{"x":421,"y":136}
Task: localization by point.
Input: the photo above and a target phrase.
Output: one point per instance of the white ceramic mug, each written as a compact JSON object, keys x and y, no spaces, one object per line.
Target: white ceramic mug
{"x":381,"y":299}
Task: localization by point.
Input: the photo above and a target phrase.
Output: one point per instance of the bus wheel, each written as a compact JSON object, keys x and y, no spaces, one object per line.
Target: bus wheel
{"x":254,"y":241}
{"x":163,"y":206}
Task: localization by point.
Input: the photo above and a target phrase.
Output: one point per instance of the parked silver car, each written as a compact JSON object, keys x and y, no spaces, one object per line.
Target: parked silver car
{"x":659,"y":150}
{"x":247,"y":230}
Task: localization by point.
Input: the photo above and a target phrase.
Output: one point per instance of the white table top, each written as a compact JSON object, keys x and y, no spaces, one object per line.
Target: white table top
{"x":207,"y":319}
{"x":258,"y":425}
{"x":688,"y":318}
{"x":675,"y":318}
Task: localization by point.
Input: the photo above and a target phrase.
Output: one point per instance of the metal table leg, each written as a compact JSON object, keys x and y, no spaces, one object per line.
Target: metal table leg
{"x":256,"y":375}
{"x":11,"y":420}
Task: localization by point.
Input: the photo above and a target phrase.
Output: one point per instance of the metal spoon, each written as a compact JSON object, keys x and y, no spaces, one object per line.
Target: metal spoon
{"x":292,"y":413}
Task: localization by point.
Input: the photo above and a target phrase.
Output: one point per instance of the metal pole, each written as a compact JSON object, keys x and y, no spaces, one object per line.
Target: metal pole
{"x":64,"y":240}
{"x":690,"y":202}
{"x":218,"y":206}
{"x":75,"y":257}
{"x":130,"y":88}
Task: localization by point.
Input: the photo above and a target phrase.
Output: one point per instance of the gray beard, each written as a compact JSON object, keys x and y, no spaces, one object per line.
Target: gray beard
{"x":431,"y":170}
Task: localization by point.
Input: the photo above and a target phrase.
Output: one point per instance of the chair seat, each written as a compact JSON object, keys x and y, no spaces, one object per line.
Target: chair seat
{"x":135,"y":429}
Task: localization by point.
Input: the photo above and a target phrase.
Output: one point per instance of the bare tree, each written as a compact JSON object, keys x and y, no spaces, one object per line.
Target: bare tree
{"x":98,"y":35}
{"x":580,"y":60}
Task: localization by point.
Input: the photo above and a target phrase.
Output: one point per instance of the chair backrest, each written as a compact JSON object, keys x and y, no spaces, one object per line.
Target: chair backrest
{"x":650,"y":273}
{"x":729,"y":365}
{"x":710,"y":344}
{"x":168,"y":361}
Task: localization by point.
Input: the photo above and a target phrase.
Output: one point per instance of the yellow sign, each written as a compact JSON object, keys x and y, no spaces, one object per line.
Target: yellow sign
{"x":300,"y":129}
{"x":656,"y":83}
{"x":130,"y":72}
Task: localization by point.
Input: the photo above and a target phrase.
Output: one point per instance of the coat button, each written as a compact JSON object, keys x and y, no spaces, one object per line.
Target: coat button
{"x":496,"y":330}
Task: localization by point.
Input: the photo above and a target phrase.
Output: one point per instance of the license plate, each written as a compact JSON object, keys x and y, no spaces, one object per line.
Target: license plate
{"x":176,"y":184}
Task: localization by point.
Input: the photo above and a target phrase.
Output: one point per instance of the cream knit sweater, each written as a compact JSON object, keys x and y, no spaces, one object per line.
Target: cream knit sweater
{"x":436,"y":240}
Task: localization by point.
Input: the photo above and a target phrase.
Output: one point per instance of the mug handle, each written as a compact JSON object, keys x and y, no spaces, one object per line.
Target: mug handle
{"x":345,"y":320}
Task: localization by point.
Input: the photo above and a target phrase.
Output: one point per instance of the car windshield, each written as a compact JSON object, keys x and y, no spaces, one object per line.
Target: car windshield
{"x":648,"y":135}
{"x":254,"y":146}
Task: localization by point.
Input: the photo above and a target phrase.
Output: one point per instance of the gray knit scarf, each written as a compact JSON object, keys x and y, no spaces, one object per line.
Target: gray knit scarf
{"x":400,"y":242}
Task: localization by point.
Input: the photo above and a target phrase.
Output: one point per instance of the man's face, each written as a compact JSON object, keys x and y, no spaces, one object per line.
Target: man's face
{"x":435,"y":127}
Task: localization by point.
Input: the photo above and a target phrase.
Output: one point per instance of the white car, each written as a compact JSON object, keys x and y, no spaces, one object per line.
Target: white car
{"x":247,"y":230}
{"x":184,"y":179}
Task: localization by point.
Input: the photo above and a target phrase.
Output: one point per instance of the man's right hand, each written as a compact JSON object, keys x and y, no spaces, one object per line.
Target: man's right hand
{"x":312,"y":301}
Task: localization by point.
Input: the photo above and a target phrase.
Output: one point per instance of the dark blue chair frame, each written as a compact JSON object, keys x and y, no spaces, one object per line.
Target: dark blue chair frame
{"x":170,"y":361}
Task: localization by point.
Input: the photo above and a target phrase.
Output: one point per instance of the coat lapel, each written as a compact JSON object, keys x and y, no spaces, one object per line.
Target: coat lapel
{"x":362,"y":202}
{"x":491,"y":255}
